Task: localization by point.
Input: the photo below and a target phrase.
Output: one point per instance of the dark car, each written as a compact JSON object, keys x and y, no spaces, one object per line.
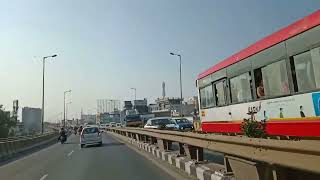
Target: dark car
{"x":182,"y":124}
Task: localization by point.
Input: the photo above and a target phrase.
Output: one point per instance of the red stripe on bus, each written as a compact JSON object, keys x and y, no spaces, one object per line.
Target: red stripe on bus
{"x":283,"y":34}
{"x":282,"y":128}
{"x":230,"y":127}
{"x":296,"y":128}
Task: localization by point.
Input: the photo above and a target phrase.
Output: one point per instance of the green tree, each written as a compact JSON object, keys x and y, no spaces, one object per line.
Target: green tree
{"x":6,"y":122}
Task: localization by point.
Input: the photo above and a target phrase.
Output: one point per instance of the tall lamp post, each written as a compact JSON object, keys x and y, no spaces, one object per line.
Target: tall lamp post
{"x":64,"y":107}
{"x":67,"y":110}
{"x":173,"y":54}
{"x":135,"y":93}
{"x":43,"y":68}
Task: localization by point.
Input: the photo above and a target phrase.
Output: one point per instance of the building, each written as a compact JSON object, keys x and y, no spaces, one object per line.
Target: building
{"x":88,"y":118}
{"x":128,"y":105}
{"x":166,"y":106}
{"x":31,"y":119}
{"x":107,"y":105}
{"x":193,"y":100}
{"x":141,"y":106}
{"x":106,"y":118}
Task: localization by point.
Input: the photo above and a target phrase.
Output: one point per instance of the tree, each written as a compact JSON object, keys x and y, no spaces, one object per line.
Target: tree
{"x":6,"y":122}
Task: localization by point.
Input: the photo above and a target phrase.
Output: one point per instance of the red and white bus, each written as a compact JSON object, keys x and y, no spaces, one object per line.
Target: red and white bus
{"x":277,"y":77}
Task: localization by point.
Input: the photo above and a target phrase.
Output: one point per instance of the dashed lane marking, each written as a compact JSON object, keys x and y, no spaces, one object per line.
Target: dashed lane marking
{"x":70,"y":153}
{"x":44,"y":177}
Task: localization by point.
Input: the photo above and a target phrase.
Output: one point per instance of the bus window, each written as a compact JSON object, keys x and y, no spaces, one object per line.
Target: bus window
{"x":259,"y":83}
{"x":275,"y":79}
{"x":240,"y":88}
{"x":315,"y":57}
{"x":306,"y":70}
{"x":220,"y":93}
{"x":206,"y":97}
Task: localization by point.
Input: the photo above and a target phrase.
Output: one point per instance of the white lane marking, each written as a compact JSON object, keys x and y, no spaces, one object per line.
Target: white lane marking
{"x":70,"y":153}
{"x":44,"y":177}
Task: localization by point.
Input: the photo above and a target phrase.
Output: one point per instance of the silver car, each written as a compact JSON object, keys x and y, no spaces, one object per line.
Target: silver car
{"x":160,"y":123}
{"x":90,"y":135}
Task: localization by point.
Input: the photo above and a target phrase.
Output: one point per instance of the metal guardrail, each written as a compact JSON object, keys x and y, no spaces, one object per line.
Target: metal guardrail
{"x":10,"y":146}
{"x":303,"y":154}
{"x":23,"y":137}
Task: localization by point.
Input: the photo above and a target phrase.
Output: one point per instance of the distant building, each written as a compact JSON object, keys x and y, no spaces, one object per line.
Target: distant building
{"x":106,"y":118}
{"x":167,"y":106}
{"x":88,"y":118}
{"x":107,"y":105}
{"x":128,"y":105}
{"x":163,"y":89}
{"x":141,"y":106}
{"x":31,"y":119}
{"x":193,"y":100}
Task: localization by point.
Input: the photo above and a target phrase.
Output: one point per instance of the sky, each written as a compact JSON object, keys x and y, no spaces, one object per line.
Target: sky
{"x":106,"y":47}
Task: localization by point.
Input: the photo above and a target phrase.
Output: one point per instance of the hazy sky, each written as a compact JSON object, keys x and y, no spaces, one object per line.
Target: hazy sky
{"x":106,"y":47}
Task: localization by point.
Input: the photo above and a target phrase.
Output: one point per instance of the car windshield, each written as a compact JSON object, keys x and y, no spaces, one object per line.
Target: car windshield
{"x":180,"y":121}
{"x":90,"y":130}
{"x":156,"y":122}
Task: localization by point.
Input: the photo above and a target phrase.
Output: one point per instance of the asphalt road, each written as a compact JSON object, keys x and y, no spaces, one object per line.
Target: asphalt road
{"x":113,"y":160}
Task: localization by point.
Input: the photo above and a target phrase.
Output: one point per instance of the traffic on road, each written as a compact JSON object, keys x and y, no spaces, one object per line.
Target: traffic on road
{"x":110,"y":160}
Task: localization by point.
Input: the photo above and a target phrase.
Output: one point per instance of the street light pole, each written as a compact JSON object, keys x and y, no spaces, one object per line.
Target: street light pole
{"x":64,"y":107}
{"x":67,"y":110}
{"x":180,"y":82}
{"x":42,"y":110}
{"x":135,"y":93}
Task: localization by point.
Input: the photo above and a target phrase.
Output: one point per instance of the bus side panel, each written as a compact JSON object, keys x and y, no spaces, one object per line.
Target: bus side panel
{"x":296,"y":115}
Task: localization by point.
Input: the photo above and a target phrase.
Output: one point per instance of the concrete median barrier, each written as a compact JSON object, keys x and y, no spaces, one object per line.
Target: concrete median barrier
{"x":10,"y":147}
{"x":199,"y":170}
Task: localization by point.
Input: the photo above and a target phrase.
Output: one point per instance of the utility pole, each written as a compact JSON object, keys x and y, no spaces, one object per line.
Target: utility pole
{"x":42,"y":110}
{"x":180,"y":81}
{"x":64,"y":107}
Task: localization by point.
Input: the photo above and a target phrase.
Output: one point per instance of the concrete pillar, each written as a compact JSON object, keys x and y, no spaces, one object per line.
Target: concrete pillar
{"x":138,"y":137}
{"x":181,"y":150}
{"x":164,"y":145}
{"x":227,"y":164}
{"x":153,"y":140}
{"x":193,"y":152}
{"x":253,"y":170}
{"x":147,"y":139}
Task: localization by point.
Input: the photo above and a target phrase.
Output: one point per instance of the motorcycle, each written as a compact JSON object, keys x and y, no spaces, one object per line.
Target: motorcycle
{"x":63,"y":139}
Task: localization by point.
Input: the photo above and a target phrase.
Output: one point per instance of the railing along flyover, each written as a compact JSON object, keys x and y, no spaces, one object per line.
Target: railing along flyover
{"x":12,"y":138}
{"x":11,"y":146}
{"x":261,"y":153}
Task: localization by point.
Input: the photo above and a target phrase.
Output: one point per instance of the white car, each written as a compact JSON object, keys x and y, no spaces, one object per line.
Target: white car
{"x":112,"y":124}
{"x":118,"y":125}
{"x":160,"y":123}
{"x":90,"y":136}
{"x":104,"y":126}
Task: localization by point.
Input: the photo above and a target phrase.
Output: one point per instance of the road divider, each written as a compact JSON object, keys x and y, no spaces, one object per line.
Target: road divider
{"x":200,"y":170}
{"x":13,"y":146}
{"x":247,"y":158}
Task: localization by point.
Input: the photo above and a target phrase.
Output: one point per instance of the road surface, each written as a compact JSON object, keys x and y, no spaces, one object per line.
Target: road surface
{"x":113,"y":160}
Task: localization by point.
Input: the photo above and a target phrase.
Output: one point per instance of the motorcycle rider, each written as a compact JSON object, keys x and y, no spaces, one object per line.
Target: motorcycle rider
{"x":75,"y":129}
{"x":62,"y":133}
{"x":80,"y":130}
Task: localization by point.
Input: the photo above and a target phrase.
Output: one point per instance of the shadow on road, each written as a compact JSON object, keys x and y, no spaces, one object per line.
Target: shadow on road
{"x":106,"y":145}
{"x":112,"y":144}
